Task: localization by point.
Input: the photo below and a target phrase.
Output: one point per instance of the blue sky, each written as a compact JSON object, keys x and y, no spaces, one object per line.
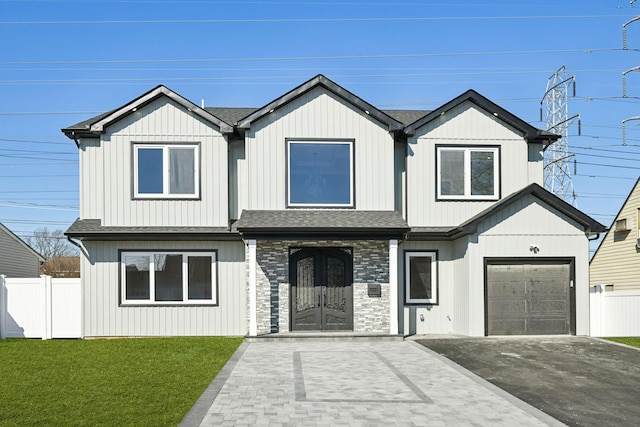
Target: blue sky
{"x":62,"y":62}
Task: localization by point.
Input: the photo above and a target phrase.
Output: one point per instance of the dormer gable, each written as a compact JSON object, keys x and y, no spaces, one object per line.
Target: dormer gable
{"x":531,"y":134}
{"x":94,"y":127}
{"x":321,"y":81}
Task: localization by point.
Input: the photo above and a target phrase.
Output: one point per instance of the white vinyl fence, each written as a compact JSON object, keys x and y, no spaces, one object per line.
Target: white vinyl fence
{"x":614,"y":314}
{"x":41,"y":307}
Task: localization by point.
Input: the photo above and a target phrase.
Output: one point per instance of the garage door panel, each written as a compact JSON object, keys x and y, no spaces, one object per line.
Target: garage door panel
{"x":507,"y":307}
{"x":549,"y":307}
{"x":528,"y":298}
{"x":506,"y":326}
{"x":550,"y":326}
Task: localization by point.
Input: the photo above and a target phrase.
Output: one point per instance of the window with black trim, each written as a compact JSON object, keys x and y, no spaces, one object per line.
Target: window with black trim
{"x":166,"y":171}
{"x":168,"y":278}
{"x":320,"y":173}
{"x":420,"y":277}
{"x":468,"y":173}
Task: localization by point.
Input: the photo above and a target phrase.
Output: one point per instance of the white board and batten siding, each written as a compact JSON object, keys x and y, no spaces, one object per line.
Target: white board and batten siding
{"x":104,"y":316}
{"x":508,"y":234}
{"x":106,"y":170}
{"x":429,"y":319}
{"x":465,"y":125}
{"x":317,"y":114}
{"x":512,"y":232}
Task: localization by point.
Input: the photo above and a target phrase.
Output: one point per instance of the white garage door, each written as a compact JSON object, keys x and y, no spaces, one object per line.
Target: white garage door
{"x":529,"y":298}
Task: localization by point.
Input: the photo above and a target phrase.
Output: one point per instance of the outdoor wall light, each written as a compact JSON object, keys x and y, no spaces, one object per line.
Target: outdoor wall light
{"x":534,"y":248}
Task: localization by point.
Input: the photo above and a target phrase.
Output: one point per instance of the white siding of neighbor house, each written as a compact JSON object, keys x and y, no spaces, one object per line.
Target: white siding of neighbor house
{"x":507,"y":234}
{"x":15,"y":259}
{"x":318,"y":114}
{"x":103,"y":316}
{"x":617,"y":261}
{"x":107,"y":169}
{"x":466,"y":124}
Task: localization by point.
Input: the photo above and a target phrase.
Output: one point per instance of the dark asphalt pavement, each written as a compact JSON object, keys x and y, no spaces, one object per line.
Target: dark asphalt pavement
{"x":577,"y":380}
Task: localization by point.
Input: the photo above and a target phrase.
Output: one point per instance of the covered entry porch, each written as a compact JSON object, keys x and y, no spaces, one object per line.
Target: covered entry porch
{"x":322,"y":271}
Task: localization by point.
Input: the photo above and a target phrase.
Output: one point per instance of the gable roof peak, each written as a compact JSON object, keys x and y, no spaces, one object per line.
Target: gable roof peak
{"x":320,"y":80}
{"x":530,"y":133}
{"x":97,"y":125}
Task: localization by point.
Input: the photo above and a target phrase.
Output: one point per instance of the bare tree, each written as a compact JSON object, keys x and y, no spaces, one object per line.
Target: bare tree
{"x":51,"y":244}
{"x":60,"y":256}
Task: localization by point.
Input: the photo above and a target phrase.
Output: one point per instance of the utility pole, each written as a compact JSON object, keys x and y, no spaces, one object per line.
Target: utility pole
{"x":557,"y":172}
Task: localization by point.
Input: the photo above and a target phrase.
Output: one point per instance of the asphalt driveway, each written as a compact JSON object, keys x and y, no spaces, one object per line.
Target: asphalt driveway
{"x":579,"y":381}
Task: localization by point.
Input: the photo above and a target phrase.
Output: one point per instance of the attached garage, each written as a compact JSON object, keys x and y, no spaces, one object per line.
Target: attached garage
{"x":529,"y":296}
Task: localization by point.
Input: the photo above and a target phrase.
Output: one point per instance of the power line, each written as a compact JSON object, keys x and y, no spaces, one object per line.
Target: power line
{"x":606,"y":176}
{"x":315,"y":58}
{"x":309,"y":20}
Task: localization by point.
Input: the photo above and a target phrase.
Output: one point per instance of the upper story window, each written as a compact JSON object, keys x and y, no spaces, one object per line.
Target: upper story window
{"x":166,"y":171}
{"x":151,"y":278}
{"x":468,"y":173}
{"x":320,"y":173}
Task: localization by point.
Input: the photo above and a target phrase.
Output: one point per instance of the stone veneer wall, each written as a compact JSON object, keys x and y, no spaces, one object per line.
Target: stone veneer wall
{"x":370,"y":266}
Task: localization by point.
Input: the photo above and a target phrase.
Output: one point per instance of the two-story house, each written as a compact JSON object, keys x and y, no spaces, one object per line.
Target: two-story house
{"x":321,"y":212}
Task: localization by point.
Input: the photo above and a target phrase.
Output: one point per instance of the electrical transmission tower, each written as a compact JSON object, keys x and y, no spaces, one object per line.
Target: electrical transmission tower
{"x":557,"y":172}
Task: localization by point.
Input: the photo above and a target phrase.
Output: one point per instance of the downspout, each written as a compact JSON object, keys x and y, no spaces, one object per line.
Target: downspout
{"x":596,"y":238}
{"x":79,"y":246}
{"x":75,"y":139}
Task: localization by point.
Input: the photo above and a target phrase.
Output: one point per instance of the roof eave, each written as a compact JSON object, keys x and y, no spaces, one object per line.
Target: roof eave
{"x":108,"y":236}
{"x":530,"y":133}
{"x":324,"y":232}
{"x":95,"y":129}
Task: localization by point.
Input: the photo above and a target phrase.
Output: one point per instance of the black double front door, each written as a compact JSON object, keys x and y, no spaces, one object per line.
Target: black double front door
{"x":321,"y":289}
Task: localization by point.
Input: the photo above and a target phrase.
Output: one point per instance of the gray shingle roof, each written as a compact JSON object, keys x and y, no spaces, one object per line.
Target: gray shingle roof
{"x":92,"y":228}
{"x":407,"y":117}
{"x":334,"y":223}
{"x":230,"y":115}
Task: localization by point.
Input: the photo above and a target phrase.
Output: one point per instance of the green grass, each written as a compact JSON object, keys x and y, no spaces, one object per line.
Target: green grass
{"x":141,"y":382}
{"x":633,"y":341}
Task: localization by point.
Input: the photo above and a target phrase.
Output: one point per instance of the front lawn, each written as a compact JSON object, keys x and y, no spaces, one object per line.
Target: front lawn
{"x":144,"y":381}
{"x":632,"y":341}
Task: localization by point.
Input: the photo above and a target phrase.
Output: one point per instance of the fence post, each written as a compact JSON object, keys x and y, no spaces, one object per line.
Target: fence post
{"x":48,"y":301}
{"x":597,"y":314}
{"x":3,"y":307}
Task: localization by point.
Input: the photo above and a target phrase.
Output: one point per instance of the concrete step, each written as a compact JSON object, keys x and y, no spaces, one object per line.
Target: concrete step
{"x":324,"y":337}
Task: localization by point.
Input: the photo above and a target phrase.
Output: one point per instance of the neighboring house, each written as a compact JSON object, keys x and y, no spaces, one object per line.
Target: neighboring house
{"x":320,"y":212}
{"x":17,"y":258}
{"x":616,"y":262}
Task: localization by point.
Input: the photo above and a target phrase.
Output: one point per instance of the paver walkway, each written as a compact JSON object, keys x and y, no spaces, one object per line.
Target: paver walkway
{"x":354,"y":383}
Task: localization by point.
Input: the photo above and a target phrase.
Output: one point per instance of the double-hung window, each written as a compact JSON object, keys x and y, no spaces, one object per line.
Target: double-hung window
{"x":420,"y":277}
{"x":166,"y":171}
{"x":468,"y":173}
{"x":152,"y":278}
{"x":320,"y":173}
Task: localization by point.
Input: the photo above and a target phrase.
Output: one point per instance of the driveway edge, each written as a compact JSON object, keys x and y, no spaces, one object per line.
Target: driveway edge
{"x":531,"y":410}
{"x":199,"y":410}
